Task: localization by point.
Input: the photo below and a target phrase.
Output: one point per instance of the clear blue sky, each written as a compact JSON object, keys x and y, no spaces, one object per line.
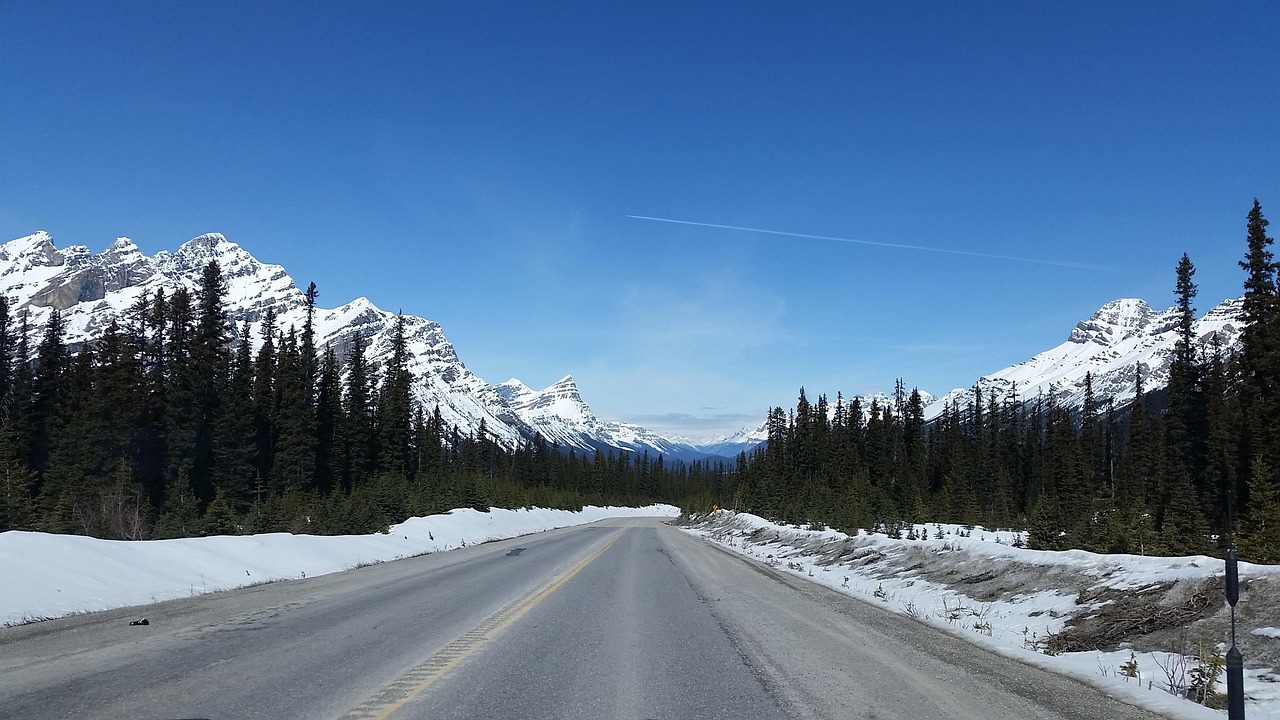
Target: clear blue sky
{"x":476,"y":162}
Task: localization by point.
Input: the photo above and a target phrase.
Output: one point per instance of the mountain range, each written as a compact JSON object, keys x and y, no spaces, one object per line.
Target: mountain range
{"x":91,"y":290}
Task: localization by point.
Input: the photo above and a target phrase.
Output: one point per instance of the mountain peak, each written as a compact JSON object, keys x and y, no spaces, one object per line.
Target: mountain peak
{"x":37,"y":246}
{"x":564,"y":384}
{"x":1117,"y":321}
{"x":210,"y":240}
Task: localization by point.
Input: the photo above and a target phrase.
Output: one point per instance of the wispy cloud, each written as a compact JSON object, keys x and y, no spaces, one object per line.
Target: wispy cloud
{"x":900,"y":246}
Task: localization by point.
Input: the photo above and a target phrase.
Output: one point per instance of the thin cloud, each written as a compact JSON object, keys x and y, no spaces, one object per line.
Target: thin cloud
{"x":948,"y":251}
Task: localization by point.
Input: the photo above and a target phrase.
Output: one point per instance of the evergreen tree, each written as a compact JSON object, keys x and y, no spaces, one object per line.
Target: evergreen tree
{"x":209,"y":368}
{"x":181,"y":515}
{"x":48,"y":392}
{"x":17,"y":503}
{"x":1184,"y":418}
{"x":1259,"y":358}
{"x":8,"y":352}
{"x":1183,"y":530}
{"x":235,"y":437}
{"x":293,"y":463}
{"x":328,"y":420}
{"x":356,"y":431}
{"x":264,"y":396}
{"x":1259,"y":537}
{"x":395,"y":410}
{"x":310,"y":361}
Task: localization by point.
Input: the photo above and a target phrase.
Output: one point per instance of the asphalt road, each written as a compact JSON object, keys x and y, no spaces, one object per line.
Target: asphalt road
{"x":619,"y":619}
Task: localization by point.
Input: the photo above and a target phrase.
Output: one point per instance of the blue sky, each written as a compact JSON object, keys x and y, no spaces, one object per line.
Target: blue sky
{"x":476,"y":163}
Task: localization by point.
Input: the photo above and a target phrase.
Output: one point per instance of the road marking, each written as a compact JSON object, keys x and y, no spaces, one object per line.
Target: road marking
{"x":400,"y":691}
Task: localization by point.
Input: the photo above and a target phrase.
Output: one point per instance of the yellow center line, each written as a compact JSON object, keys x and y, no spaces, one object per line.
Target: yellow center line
{"x":412,"y":684}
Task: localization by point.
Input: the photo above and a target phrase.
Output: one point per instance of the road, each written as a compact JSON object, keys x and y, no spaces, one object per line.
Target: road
{"x":618,"y":619}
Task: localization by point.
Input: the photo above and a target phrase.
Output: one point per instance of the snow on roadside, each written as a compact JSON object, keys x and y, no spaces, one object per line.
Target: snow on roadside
{"x":1015,"y":597}
{"x":46,"y":575}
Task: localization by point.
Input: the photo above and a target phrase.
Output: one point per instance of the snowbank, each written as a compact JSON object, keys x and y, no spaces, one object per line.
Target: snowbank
{"x":46,"y":576}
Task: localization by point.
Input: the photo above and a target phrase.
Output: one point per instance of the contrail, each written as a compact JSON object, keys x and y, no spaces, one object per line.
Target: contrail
{"x":1054,"y":263}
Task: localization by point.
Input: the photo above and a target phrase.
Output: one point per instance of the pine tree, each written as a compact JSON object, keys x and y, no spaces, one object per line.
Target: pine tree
{"x":210,"y":366}
{"x":180,"y":386}
{"x":8,"y":351}
{"x":1184,"y":418}
{"x":48,"y":392}
{"x":1182,"y":528}
{"x":395,"y":410}
{"x":293,"y":464}
{"x":235,"y":436}
{"x":220,"y":517}
{"x":264,"y":396}
{"x":356,"y":431}
{"x":17,"y":504}
{"x":1259,"y":357}
{"x":1259,"y":537}
{"x":181,"y":515}
{"x":328,"y":420}
{"x":310,"y":361}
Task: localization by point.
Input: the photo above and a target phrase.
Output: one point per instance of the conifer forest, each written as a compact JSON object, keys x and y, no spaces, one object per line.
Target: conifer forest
{"x":172,"y":424}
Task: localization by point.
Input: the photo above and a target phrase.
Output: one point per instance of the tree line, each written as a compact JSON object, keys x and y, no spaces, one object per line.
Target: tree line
{"x":171,"y":425}
{"x":1170,"y":473}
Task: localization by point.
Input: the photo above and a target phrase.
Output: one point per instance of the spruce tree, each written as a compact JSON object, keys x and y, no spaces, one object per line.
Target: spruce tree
{"x":235,"y":435}
{"x":1184,"y":418}
{"x":356,"y":431}
{"x":48,"y":392}
{"x":293,"y":463}
{"x":17,"y":502}
{"x":210,"y":365}
{"x":395,"y":411}
{"x":1259,"y":537}
{"x":328,"y":420}
{"x":1259,"y":358}
{"x":264,"y":396}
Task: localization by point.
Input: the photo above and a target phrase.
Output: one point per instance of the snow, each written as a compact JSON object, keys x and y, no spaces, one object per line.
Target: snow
{"x":47,"y":575}
{"x":883,"y":570}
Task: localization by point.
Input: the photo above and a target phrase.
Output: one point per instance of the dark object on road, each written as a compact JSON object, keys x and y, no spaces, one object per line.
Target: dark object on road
{"x":143,"y":621}
{"x":515,"y":553}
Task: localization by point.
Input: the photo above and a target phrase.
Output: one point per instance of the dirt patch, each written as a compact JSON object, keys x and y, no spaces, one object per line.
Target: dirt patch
{"x":1115,"y":618}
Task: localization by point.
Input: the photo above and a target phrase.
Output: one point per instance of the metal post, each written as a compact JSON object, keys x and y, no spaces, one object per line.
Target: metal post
{"x":1235,"y":662}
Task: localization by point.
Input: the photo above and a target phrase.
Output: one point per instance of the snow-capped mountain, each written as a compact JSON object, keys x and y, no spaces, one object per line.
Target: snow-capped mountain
{"x":1119,"y":339}
{"x":93,"y":290}
{"x":559,"y":414}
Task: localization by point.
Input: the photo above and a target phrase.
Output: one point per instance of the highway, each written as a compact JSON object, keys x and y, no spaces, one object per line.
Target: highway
{"x":627,"y":619}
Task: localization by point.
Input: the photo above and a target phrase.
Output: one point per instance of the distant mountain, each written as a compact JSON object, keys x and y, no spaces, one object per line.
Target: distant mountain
{"x":559,"y":414}
{"x":730,"y":445}
{"x":1121,"y":337}
{"x":92,"y":290}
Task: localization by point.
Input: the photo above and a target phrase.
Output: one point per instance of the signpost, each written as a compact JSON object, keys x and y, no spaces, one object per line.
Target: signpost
{"x":1235,"y":662}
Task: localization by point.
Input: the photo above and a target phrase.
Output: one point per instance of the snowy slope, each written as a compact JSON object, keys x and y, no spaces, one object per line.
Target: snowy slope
{"x":1121,"y":337}
{"x":93,"y":290}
